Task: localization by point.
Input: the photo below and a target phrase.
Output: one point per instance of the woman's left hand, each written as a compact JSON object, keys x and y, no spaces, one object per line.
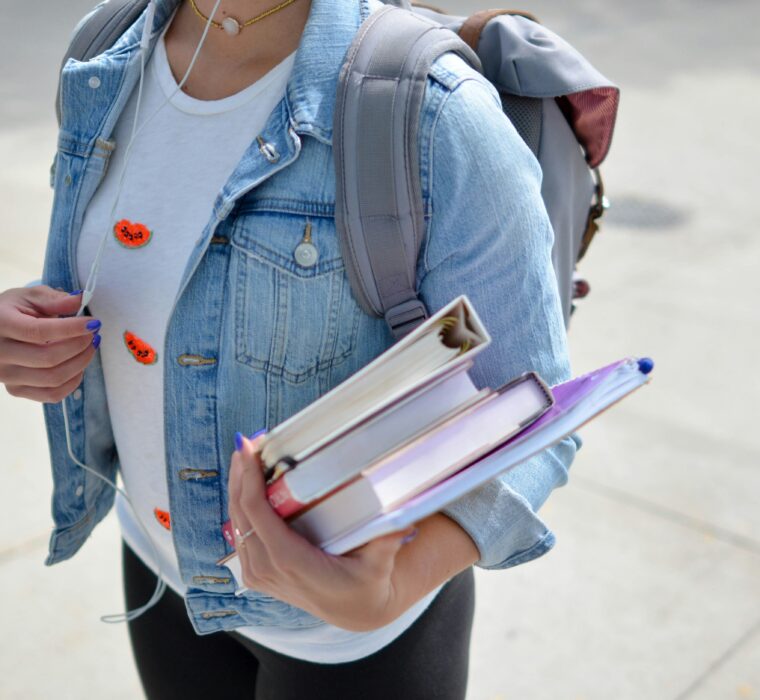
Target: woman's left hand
{"x":355,"y":591}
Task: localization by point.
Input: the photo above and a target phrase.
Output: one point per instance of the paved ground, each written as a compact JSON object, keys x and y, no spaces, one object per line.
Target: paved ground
{"x":653,"y":591}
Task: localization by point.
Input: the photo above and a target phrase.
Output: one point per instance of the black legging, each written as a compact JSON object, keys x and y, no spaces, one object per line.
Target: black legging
{"x":428,"y":661}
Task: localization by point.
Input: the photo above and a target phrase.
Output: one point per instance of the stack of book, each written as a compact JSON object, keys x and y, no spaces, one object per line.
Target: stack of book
{"x":410,"y":433}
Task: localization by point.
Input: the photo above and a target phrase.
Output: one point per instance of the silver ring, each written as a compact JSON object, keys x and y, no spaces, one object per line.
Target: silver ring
{"x":241,"y":537}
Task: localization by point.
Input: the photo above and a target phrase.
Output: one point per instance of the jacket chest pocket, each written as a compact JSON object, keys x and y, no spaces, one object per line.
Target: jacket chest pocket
{"x":294,"y":313}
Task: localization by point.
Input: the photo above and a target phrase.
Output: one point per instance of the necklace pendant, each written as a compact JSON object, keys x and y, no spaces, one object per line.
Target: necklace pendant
{"x":231,"y":26}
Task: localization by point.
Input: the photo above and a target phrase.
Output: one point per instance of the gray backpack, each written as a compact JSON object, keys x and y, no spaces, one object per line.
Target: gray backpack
{"x":561,"y":106}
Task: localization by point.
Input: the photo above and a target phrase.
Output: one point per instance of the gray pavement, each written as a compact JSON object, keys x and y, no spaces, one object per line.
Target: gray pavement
{"x":653,"y":590}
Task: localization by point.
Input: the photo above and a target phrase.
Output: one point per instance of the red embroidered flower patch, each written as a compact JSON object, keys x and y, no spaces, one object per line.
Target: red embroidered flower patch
{"x":141,"y":351}
{"x":163,"y":518}
{"x":132,"y":235}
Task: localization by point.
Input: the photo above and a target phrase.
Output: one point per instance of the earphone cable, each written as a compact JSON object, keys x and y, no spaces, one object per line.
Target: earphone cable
{"x":89,"y":287}
{"x":160,"y":582}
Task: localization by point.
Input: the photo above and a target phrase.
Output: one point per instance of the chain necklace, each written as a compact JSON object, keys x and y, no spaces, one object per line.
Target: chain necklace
{"x":232,"y":26}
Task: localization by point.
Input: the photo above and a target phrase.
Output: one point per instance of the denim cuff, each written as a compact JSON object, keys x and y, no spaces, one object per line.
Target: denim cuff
{"x":502,"y":524}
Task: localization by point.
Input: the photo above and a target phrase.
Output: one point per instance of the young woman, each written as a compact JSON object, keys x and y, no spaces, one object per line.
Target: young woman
{"x":212,"y":324}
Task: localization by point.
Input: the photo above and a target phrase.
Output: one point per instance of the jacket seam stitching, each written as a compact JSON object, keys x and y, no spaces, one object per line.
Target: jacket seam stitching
{"x":431,"y":167}
{"x":430,"y":173}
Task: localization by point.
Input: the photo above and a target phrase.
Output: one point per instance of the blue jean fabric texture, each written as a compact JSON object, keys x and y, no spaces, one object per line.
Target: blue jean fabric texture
{"x":274,"y":335}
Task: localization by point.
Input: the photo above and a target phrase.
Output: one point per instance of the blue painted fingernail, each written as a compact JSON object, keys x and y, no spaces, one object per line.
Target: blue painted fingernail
{"x":96,"y":341}
{"x":78,"y":291}
{"x":93,"y":325}
{"x":238,"y":441}
{"x":256,"y":434}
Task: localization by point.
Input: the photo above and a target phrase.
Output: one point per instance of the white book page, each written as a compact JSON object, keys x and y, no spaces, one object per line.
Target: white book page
{"x":355,"y":451}
{"x":395,"y":372}
{"x":456,"y":444}
{"x":425,"y":461}
{"x":400,"y":374}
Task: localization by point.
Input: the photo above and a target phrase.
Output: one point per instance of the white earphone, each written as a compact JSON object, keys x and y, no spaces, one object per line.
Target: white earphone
{"x":89,"y":288}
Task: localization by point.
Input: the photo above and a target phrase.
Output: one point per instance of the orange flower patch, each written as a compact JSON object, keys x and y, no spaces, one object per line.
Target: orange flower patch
{"x":141,"y":351}
{"x":132,"y":235}
{"x":163,"y":517}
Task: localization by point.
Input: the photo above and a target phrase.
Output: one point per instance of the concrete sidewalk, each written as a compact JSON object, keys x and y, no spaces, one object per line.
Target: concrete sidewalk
{"x":653,"y":590}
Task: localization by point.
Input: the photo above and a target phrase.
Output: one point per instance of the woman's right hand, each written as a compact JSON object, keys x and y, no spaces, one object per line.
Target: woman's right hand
{"x":43,"y":356}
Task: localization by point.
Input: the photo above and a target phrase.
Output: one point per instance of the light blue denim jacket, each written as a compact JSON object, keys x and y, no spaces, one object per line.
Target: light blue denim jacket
{"x":254,"y":337}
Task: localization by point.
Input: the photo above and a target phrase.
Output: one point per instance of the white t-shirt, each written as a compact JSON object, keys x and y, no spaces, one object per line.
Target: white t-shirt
{"x":137,"y":284}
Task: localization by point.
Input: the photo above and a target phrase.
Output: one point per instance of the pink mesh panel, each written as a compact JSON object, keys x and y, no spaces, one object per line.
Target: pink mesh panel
{"x":591,"y":114}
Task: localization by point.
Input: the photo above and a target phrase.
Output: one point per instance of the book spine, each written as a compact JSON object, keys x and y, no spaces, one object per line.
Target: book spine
{"x":228,"y":535}
{"x":282,"y":499}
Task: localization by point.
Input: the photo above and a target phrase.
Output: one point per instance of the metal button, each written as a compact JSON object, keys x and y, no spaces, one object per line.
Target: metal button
{"x":306,"y":254}
{"x":94,"y":82}
{"x":218,"y":613}
{"x":195,"y":360}
{"x":189,"y":474}
{"x":268,"y":150}
{"x":211,"y":579}
{"x":77,"y":395}
{"x":79,"y":491}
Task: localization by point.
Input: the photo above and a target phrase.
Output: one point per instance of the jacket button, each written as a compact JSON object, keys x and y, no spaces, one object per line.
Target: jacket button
{"x":77,"y":395}
{"x":268,"y":150}
{"x":79,"y":491}
{"x":306,"y":254}
{"x":94,"y":82}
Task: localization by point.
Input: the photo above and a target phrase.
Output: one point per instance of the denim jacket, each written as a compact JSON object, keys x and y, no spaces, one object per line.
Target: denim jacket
{"x":254,"y":336}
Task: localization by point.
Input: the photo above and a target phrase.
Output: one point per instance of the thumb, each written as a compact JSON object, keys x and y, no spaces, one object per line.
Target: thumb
{"x":53,"y":302}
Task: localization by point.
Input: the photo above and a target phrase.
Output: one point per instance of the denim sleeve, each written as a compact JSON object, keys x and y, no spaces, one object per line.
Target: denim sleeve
{"x":489,"y":237}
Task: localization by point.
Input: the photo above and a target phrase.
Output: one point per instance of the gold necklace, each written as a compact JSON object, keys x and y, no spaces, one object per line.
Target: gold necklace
{"x":233,"y":26}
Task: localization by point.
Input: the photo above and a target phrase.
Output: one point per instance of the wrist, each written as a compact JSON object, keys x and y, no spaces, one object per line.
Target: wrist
{"x":360,"y":615}
{"x":441,"y":550}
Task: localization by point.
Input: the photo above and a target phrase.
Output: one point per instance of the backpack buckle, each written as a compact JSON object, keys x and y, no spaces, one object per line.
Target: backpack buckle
{"x":405,"y":317}
{"x":600,"y":205}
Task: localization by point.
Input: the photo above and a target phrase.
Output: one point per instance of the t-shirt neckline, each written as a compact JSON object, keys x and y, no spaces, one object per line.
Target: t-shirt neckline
{"x":193,"y":105}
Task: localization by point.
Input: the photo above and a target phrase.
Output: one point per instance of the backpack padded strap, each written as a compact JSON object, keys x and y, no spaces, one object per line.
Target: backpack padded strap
{"x":379,"y":208}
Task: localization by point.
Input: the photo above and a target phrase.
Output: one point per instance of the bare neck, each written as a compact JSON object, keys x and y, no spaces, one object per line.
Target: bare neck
{"x":228,"y":64}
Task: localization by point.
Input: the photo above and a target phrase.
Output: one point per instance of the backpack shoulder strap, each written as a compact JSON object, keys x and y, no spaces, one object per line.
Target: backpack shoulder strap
{"x":378,"y":207}
{"x":98,"y":31}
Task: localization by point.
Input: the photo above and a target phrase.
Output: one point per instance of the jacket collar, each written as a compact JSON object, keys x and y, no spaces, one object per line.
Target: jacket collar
{"x":311,"y":89}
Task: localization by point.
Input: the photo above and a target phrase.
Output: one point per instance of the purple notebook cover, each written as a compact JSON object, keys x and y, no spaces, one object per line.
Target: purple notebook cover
{"x":568,"y":394}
